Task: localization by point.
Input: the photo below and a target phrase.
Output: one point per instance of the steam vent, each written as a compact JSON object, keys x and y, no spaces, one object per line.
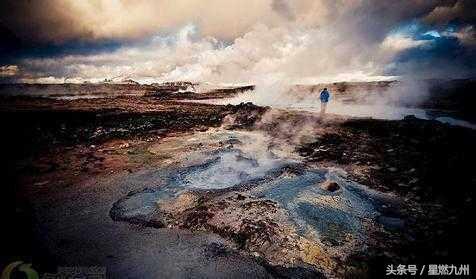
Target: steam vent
{"x":253,"y":195}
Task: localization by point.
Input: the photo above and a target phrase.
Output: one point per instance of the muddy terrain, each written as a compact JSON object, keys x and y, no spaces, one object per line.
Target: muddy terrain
{"x":150,"y":186}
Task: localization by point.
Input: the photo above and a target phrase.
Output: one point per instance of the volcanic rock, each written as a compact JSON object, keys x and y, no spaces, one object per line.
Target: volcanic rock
{"x":330,"y":186}
{"x":391,"y":223}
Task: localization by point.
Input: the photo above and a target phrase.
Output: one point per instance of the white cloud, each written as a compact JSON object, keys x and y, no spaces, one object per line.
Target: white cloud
{"x":466,"y":35}
{"x":9,"y":70}
{"x":289,"y":51}
{"x":230,"y":42}
{"x":400,"y":42}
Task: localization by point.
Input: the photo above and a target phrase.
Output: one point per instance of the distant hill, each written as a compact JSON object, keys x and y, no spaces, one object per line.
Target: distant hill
{"x":74,"y":89}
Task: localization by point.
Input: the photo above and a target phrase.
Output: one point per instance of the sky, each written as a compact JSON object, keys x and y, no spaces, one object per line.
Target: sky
{"x":236,"y":41}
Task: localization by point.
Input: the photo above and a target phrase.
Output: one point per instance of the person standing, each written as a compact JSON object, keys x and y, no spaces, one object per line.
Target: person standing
{"x":324,"y":96}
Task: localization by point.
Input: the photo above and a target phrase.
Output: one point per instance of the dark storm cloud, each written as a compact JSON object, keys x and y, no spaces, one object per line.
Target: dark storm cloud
{"x":72,"y":38}
{"x":58,"y":27}
{"x":44,"y":29}
{"x":444,"y":57}
{"x":40,"y":21}
{"x":57,"y":21}
{"x":452,"y":54}
{"x":14,"y":49}
{"x":456,"y":12}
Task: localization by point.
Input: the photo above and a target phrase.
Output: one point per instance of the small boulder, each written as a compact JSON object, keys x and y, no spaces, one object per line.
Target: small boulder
{"x":330,"y":186}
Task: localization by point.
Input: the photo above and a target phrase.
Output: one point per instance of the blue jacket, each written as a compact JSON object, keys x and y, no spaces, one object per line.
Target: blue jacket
{"x":325,"y":96}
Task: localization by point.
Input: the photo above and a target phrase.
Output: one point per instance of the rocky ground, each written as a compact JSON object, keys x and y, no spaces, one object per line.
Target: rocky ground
{"x":61,"y":159}
{"x":427,"y":164}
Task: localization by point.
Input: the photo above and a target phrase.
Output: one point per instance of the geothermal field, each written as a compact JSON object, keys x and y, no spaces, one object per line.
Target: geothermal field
{"x":178,"y":180}
{"x":192,"y":139}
